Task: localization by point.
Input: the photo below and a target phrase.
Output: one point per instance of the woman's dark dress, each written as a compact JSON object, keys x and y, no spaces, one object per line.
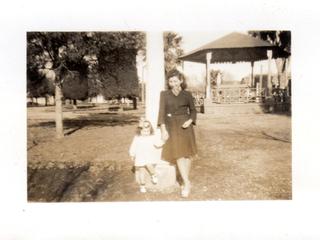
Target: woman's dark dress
{"x":173,"y":112}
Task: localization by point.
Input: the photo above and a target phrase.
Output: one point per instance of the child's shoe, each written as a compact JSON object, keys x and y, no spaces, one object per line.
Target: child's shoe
{"x":143,"y":189}
{"x":154,"y":179}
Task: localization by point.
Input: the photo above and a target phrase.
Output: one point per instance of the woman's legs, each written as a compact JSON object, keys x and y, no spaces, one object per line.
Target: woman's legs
{"x":188,"y":165}
{"x":184,"y":165}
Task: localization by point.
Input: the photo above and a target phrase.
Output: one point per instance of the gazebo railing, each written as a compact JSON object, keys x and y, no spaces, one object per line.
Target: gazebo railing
{"x":237,"y":94}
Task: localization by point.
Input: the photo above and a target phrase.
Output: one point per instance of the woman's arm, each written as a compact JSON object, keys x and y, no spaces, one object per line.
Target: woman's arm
{"x":193,"y":112}
{"x":164,"y":132}
{"x":192,"y":108}
{"x":162,"y":117}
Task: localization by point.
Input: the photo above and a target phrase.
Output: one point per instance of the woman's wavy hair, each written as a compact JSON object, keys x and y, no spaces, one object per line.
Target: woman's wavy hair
{"x":178,"y":74}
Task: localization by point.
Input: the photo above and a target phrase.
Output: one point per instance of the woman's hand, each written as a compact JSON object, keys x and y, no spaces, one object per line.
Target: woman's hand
{"x":164,"y":133}
{"x":187,"y":123}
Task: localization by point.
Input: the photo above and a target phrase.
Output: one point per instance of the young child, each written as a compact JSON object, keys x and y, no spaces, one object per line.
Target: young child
{"x":142,"y":152}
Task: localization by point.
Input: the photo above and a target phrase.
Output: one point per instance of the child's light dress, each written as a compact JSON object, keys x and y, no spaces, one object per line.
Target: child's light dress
{"x":145,"y":149}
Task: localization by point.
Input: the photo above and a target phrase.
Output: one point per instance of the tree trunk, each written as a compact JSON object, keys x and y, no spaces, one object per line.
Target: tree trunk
{"x":58,"y":108}
{"x":74,"y":103}
{"x":134,"y":101}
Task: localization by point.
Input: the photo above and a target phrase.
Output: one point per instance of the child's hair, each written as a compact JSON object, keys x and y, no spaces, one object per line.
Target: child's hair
{"x":141,"y":125}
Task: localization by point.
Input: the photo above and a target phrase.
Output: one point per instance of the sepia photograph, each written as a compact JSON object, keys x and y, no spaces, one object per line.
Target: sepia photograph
{"x":161,"y":116}
{"x":159,"y":120}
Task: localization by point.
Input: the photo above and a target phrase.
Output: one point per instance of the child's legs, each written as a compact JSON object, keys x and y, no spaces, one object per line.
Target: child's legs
{"x":141,"y":175}
{"x":151,"y":169}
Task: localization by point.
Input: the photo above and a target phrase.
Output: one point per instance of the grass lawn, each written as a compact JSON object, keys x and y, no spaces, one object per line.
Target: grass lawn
{"x":240,"y":157}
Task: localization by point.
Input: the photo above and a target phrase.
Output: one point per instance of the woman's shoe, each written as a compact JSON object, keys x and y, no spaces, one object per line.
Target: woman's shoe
{"x":185,"y":190}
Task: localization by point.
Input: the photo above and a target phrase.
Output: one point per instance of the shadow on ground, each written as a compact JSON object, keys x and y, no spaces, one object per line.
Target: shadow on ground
{"x":68,"y":182}
{"x":106,"y":119}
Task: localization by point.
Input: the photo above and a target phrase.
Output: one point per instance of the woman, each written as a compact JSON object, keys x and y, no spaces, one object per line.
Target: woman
{"x":177,"y":114}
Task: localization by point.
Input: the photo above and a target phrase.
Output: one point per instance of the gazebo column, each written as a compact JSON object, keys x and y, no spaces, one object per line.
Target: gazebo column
{"x":261,"y":76}
{"x":252,"y":77}
{"x":208,"y":97}
{"x":259,"y":85}
{"x":269,"y":86}
{"x":208,"y":84}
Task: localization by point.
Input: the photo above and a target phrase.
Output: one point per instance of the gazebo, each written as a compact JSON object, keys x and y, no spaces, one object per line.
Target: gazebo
{"x":232,"y":48}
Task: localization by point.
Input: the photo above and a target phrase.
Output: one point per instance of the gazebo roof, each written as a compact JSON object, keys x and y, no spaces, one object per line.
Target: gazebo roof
{"x":234,"y":47}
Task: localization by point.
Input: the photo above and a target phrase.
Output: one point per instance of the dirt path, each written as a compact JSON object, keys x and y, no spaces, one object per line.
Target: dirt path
{"x":244,"y":157}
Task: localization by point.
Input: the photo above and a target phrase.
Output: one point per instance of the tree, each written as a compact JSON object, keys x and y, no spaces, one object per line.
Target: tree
{"x":141,"y":66}
{"x":94,"y":80}
{"x":38,"y":85}
{"x":214,"y":77}
{"x":119,"y":74}
{"x":56,"y":55}
{"x":282,"y":39}
{"x":172,"y":51}
{"x":75,"y":87}
{"x":115,"y":71}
